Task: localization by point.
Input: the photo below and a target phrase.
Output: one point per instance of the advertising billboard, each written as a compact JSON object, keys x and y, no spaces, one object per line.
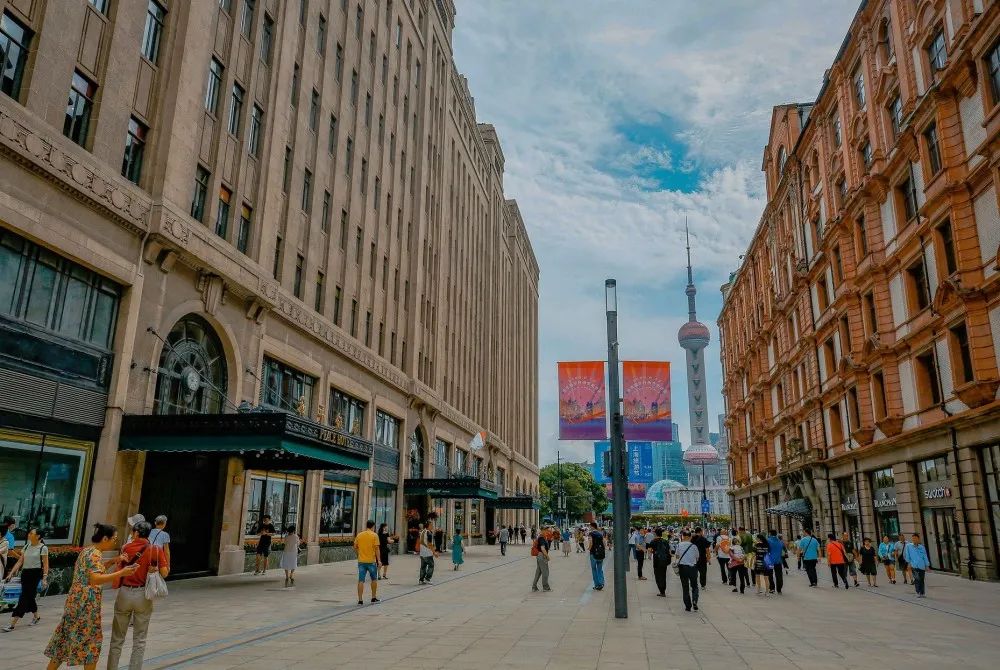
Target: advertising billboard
{"x":640,"y":461}
{"x":582,"y":408}
{"x":646,"y":398}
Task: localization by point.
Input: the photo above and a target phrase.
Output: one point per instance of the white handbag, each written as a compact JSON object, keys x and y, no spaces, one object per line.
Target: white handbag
{"x":156,"y":586}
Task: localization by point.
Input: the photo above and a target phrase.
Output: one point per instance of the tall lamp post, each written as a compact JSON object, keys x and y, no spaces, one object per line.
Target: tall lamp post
{"x":619,"y":480}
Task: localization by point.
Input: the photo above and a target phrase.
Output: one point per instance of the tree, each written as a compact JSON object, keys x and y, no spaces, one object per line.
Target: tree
{"x":583,"y":493}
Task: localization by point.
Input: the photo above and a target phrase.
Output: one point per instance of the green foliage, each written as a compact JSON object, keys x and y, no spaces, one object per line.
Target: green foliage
{"x":654,"y":519}
{"x":583,"y":493}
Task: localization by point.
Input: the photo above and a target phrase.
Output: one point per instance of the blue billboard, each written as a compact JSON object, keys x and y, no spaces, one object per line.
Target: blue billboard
{"x":640,"y":461}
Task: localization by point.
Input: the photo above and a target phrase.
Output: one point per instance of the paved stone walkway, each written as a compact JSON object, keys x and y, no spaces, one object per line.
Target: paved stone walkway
{"x":485,"y":616}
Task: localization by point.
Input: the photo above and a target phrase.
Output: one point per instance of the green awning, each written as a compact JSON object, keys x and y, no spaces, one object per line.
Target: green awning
{"x":514,"y":502}
{"x":451,"y":487}
{"x":265,"y":440}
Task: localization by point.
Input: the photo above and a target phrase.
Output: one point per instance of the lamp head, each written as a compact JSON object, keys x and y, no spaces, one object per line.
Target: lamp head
{"x":610,"y":295}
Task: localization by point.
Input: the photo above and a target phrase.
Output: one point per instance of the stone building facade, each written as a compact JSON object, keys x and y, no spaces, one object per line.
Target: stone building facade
{"x":861,"y":335}
{"x":261,"y":263}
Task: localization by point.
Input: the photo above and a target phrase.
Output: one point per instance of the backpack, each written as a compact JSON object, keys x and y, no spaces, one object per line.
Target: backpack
{"x":597,"y":546}
{"x":661,"y":552}
{"x":534,"y":548}
{"x":725,"y":545}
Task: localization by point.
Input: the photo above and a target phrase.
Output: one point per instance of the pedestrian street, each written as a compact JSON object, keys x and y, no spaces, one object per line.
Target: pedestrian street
{"x":486,"y":616}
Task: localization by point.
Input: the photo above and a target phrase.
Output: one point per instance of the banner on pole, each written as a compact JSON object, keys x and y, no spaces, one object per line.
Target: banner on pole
{"x":646,"y":397}
{"x":582,"y":408}
{"x":640,"y":462}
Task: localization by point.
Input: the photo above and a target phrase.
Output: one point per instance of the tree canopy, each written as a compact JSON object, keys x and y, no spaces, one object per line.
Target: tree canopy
{"x":583,"y":493}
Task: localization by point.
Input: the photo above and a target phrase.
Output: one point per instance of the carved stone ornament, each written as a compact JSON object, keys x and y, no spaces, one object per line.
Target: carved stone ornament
{"x":891,"y":425}
{"x":978,"y":392}
{"x":863,"y":436}
{"x":213,"y":292}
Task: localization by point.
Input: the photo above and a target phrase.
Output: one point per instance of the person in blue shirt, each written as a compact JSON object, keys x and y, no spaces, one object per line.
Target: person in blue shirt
{"x":886,"y":554}
{"x":916,"y":557}
{"x":776,"y":549}
{"x":809,"y":551}
{"x":6,"y":543}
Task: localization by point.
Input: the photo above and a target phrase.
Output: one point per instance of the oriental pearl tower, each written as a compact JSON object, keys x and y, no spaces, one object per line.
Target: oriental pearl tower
{"x":694,"y":336}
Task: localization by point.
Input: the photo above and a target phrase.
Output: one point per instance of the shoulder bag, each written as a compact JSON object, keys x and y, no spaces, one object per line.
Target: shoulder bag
{"x":156,"y":586}
{"x":677,"y":565}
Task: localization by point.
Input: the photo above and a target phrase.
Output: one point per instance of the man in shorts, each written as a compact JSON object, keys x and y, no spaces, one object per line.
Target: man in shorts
{"x":366,"y":545}
{"x":265,"y":532}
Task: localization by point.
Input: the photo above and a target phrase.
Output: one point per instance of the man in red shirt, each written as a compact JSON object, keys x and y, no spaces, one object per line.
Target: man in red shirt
{"x":131,"y":603}
{"x":836,"y":556}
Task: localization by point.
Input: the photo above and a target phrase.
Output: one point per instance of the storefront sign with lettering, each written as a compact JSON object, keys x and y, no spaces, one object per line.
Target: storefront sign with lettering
{"x":937,"y":492}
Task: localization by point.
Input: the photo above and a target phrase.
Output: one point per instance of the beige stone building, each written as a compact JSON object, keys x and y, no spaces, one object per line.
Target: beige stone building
{"x":861,"y":335}
{"x":260,"y":263}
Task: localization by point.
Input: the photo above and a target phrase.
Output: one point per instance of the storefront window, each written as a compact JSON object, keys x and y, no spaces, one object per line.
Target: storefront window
{"x":277,"y":496}
{"x":441,"y":509}
{"x":41,"y":481}
{"x":460,"y":516}
{"x":384,"y":507}
{"x":475,"y":507}
{"x":883,"y":479}
{"x":883,"y":483}
{"x":285,"y":388}
{"x":932,"y":470}
{"x":991,"y":471}
{"x":336,"y":515}
{"x":347,"y":413}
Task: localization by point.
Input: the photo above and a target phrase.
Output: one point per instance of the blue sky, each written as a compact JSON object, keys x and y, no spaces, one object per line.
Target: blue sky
{"x":619,"y":120}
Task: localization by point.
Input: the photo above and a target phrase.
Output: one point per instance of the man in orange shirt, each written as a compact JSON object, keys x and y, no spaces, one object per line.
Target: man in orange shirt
{"x":367,"y":547}
{"x":836,"y":556}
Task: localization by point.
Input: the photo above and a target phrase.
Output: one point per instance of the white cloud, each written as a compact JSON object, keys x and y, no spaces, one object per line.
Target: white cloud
{"x":560,"y":80}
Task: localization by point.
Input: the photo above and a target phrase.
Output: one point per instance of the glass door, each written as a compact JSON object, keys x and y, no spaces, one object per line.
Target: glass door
{"x":941,"y":538}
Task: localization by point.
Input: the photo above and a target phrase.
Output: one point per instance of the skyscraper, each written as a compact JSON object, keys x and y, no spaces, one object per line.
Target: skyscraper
{"x":668,"y":459}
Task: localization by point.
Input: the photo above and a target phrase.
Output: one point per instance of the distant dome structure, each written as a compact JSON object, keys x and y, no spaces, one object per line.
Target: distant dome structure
{"x":701,"y":454}
{"x":654,"y":494}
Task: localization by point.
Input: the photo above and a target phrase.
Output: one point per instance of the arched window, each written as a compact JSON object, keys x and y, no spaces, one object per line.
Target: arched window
{"x":416,"y":454}
{"x":191,"y":378}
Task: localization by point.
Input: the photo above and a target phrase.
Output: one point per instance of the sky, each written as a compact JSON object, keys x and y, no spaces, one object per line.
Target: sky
{"x":619,"y":120}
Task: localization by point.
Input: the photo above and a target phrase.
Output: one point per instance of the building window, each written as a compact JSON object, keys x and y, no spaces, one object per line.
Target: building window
{"x":933,"y":149}
{"x":307,"y":191}
{"x":916,"y":279}
{"x":853,"y":409}
{"x":961,"y":354}
{"x":226,"y":5}
{"x":838,"y":266}
{"x":866,"y":155}
{"x":841,"y":192}
{"x":256,"y":127}
{"x":246,"y":18}
{"x":296,"y":78}
{"x":364,"y":175}
{"x":830,"y":357}
{"x":838,"y":137}
{"x":100,"y":5}
{"x":358,"y":22}
{"x":320,"y":290}
{"x":213,"y":87}
{"x":878,"y":395}
{"x":896,"y":115}
{"x":928,"y":389}
{"x":285,"y":388}
{"x":276,"y":266}
{"x":368,"y":110}
{"x":276,"y":497}
{"x":822,"y":294}
{"x":236,"y":110}
{"x":338,"y":295}
{"x":871,"y":317}
{"x":324,"y":221}
{"x":937,"y":54}
{"x":303,"y":11}
{"x":222,"y":215}
{"x":932,"y":470}
{"x":297,"y":280}
{"x":337,"y":510}
{"x":15,"y":43}
{"x":135,"y":144}
{"x":331,"y":141}
{"x":321,"y":36}
{"x":381,"y":338}
{"x":858,"y":79}
{"x":354,"y":318}
{"x":153,"y":31}
{"x":385,"y":69}
{"x":354,"y":87}
{"x":348,"y":156}
{"x":243,"y":234}
{"x":55,"y":294}
{"x":907,"y":191}
{"x":399,"y":34}
{"x":836,"y":424}
{"x":392,"y":348}
{"x":368,"y":329}
{"x":267,"y":40}
{"x":861,"y":237}
{"x":314,"y":111}
{"x":947,"y":244}
{"x":343,"y":230}
{"x":286,"y":176}
{"x":200,"y":196}
{"x":371,"y":262}
{"x":357,"y":246}
{"x":338,"y":67}
{"x":992,"y":65}
{"x":76,"y":125}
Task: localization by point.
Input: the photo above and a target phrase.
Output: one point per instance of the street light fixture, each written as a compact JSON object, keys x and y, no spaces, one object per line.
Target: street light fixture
{"x":619,"y":480}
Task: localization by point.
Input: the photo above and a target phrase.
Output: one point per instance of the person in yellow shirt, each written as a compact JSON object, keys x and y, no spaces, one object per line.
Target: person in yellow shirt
{"x":367,"y":547}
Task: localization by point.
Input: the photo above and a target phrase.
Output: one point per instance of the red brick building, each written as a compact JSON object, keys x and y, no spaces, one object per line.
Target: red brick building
{"x":861,"y":335}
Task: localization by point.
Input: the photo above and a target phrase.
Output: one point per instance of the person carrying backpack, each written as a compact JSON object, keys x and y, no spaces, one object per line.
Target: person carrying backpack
{"x":659,"y":551}
{"x":597,"y":554}
{"x":723,"y":546}
{"x":540,"y":550}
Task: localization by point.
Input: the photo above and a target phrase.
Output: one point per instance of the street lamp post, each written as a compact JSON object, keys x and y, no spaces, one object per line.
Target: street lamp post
{"x":619,"y":481}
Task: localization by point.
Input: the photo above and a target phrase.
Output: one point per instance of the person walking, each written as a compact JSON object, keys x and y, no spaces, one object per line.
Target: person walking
{"x":809,"y":554}
{"x":836,"y":557}
{"x":384,"y":540}
{"x":263,"y":551}
{"x":540,"y":550}
{"x":597,"y":553}
{"x":160,"y":537}
{"x":737,"y":567}
{"x":439,"y":540}
{"x":704,"y":555}
{"x":723,"y":544}
{"x":566,"y":542}
{"x":581,"y":542}
{"x":763,"y":568}
{"x":919,"y":562}
{"x":631,"y":542}
{"x":851,"y":555}
{"x":903,"y":567}
{"x":638,"y":545}
{"x":425,"y":548}
{"x":6,"y":543}
{"x":524,"y":534}
{"x":869,"y":561}
{"x":776,"y":549}
{"x":457,"y":551}
{"x":798,"y":552}
{"x":132,"y":607}
{"x":77,"y":637}
{"x":368,"y":548}
{"x":34,"y":568}
{"x":687,"y":568}
{"x":659,"y":551}
{"x":290,"y":555}
{"x":504,"y":538}
{"x":887,"y":557}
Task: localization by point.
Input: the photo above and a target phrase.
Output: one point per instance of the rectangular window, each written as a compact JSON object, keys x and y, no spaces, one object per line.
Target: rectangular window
{"x":347,"y":413}
{"x":307,"y":179}
{"x":896,"y":115}
{"x":15,"y":44}
{"x":866,"y":155}
{"x":822,"y":294}
{"x":838,"y":137}
{"x":284,"y":388}
{"x":135,"y":145}
{"x":357,"y":246}
{"x":381,"y":128}
{"x":928,"y":389}
{"x":276,"y":497}
{"x":100,"y":5}
{"x":359,"y":20}
{"x":338,"y":66}
{"x":378,"y":192}
{"x":861,"y":237}
{"x":354,"y":318}
{"x":331,"y":141}
{"x":267,"y":40}
{"x":246,"y":18}
{"x":385,"y":273}
{"x":841,"y":192}
{"x":385,"y":69}
{"x":321,"y":36}
{"x":371,"y":47}
{"x":838,"y":265}
{"x":364,"y":175}
{"x":853,"y":409}
{"x":878,"y":395}
{"x":368,"y":110}
{"x":236,"y":110}
{"x":947,"y":242}
{"x":213,"y":87}
{"x":337,"y":510}
{"x":338,"y":296}
{"x":222,"y":215}
{"x":933,"y":149}
{"x":354,"y":87}
{"x":153,"y":31}
{"x":381,"y":339}
{"x":961,"y":354}
{"x":303,"y":11}
{"x":392,"y":348}
{"x":371,"y":262}
{"x":349,"y":156}
{"x":256,"y":128}
{"x":314,"y":111}
{"x":76,"y":125}
{"x":830,"y":357}
{"x":201,"y":176}
{"x":907,"y":191}
{"x":286,"y":176}
{"x":276,"y":269}
{"x":871,"y":316}
{"x":243,"y":234}
{"x":399,"y":34}
{"x":916,"y":279}
{"x":296,"y":79}
{"x":836,"y":424}
{"x":368,"y":329}
{"x":858,"y":79}
{"x":343,"y":229}
{"x":937,"y":54}
{"x":297,"y":283}
{"x":320,"y":289}
{"x":324,"y":221}
{"x":993,"y":67}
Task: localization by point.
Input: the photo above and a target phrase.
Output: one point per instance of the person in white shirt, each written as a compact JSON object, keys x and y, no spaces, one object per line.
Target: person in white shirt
{"x":425,"y":542}
{"x":160,"y":537}
{"x":687,"y":563}
{"x":723,"y":545}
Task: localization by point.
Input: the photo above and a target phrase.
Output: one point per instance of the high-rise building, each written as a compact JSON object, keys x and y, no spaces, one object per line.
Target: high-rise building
{"x":261,"y":263}
{"x":861,"y":333}
{"x":668,"y":461}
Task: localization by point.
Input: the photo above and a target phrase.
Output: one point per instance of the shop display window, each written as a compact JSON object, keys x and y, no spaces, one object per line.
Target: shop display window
{"x":384,"y":507}
{"x":336,"y":514}
{"x":275,"y":495}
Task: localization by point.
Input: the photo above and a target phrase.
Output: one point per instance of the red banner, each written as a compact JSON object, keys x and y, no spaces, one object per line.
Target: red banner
{"x":646,"y":386}
{"x":582,"y":408}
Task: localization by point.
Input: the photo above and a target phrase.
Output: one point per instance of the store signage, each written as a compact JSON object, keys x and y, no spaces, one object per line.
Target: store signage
{"x":885,"y":498}
{"x":937,"y":492}
{"x":849,"y":506}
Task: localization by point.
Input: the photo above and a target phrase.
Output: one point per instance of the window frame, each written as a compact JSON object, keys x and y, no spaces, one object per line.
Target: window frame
{"x":13,"y":90}
{"x":152,"y":33}
{"x":135,"y":145}
{"x":77,"y":130}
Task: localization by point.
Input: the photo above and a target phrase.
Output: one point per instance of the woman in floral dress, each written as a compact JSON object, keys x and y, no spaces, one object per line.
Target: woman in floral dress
{"x":77,"y":638}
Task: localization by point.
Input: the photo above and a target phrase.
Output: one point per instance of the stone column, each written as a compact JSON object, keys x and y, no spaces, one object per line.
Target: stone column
{"x":231,"y":552}
{"x":312,"y":500}
{"x":907,"y":499}
{"x":973,"y":495}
